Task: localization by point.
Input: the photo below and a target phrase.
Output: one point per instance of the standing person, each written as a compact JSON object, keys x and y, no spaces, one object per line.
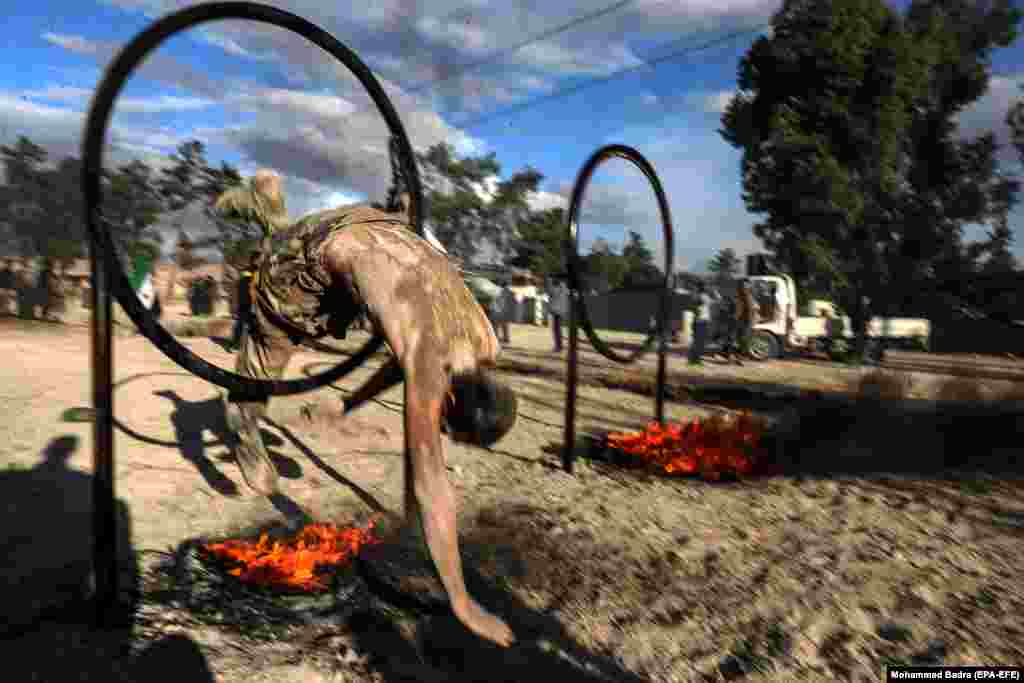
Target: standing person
{"x":833,"y":331}
{"x":746,"y":314}
{"x":43,"y":290}
{"x":26,"y":292}
{"x":701,"y":325}
{"x":505,"y":311}
{"x":727,"y":326}
{"x":558,"y":308}
{"x":318,"y":275}
{"x":7,"y":287}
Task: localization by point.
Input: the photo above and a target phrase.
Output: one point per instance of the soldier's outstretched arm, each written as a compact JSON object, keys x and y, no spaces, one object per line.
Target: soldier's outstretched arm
{"x":434,"y":497}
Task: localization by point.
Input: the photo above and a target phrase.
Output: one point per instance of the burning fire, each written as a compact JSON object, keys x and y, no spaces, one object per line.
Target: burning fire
{"x":300,"y":562}
{"x":710,"y":448}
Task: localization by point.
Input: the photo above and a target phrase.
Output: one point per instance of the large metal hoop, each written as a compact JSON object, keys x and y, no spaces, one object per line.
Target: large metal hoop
{"x":578,"y":315}
{"x":96,"y":124}
{"x":574,"y":264}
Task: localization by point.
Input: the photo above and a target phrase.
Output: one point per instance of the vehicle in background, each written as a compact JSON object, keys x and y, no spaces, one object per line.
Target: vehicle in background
{"x":781,"y":329}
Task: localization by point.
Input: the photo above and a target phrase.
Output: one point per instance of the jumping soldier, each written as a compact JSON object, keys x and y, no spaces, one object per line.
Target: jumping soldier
{"x":314,"y":279}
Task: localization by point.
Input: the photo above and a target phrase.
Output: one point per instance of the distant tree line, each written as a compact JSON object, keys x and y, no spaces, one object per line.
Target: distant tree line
{"x":41,"y":213}
{"x":42,"y":210}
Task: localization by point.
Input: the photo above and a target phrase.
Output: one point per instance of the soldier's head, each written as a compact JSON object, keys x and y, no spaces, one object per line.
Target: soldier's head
{"x":480,"y":410}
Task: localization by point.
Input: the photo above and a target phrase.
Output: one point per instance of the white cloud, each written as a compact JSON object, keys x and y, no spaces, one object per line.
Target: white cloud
{"x":535,"y":84}
{"x":590,"y":60}
{"x":19,"y":110}
{"x":989,"y":113}
{"x":158,"y":67}
{"x":72,"y":43}
{"x":667,"y":9}
{"x":162,"y":103}
{"x":336,"y":139}
{"x":231,"y":47}
{"x":461,"y":34}
{"x":649,"y":98}
{"x":78,"y":96}
{"x":294,"y":102}
{"x":716,"y":103}
{"x":709,"y":102}
{"x":542,"y":201}
{"x":60,"y":93}
{"x":58,"y":130}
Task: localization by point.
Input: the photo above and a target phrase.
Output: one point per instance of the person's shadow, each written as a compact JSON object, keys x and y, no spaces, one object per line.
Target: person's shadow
{"x":47,"y":584}
{"x":192,"y":418}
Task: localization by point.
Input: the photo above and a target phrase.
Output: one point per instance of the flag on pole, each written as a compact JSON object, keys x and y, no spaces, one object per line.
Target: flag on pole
{"x":141,"y":281}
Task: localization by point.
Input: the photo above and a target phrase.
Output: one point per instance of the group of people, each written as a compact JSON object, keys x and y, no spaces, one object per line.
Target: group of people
{"x":21,"y":292}
{"x":502,"y":310}
{"x":736,"y":318}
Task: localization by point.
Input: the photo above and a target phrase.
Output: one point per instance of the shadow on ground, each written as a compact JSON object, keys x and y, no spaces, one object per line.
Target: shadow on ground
{"x":192,"y":421}
{"x":1007,"y":370}
{"x":49,"y":630}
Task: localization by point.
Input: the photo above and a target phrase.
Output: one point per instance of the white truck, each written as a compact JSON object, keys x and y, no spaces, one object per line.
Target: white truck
{"x":781,"y":329}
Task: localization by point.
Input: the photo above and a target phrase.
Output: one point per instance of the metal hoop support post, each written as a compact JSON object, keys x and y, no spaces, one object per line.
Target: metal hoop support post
{"x":578,"y":314}
{"x":104,"y":498}
{"x":109,"y":279}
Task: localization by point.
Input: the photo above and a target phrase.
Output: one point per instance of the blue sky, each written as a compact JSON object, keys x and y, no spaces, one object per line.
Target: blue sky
{"x":259,"y":96}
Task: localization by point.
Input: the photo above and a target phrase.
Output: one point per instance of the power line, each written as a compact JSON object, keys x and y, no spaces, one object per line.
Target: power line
{"x":512,"y":49}
{"x":599,"y":80}
{"x":501,"y":54}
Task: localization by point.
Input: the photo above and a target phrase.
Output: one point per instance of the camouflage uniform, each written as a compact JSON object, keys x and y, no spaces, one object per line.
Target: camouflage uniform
{"x":406,"y":288}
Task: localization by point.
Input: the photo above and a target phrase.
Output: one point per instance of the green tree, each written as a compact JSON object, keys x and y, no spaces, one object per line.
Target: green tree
{"x":539,"y":245}
{"x":724,"y":266}
{"x":639,"y":262}
{"x":1015,"y":120}
{"x":462,"y":217}
{"x":190,"y":180}
{"x":455,"y":210}
{"x":605,"y":269}
{"x":133,"y":205}
{"x":42,"y":205}
{"x":846,"y":120}
{"x":509,"y":210}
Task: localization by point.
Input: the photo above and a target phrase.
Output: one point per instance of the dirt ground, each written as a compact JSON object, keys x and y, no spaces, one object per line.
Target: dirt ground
{"x":892,"y":536}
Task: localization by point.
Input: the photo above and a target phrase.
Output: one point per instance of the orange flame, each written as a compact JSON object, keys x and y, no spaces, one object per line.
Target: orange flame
{"x":710,"y":448}
{"x":299,"y":562}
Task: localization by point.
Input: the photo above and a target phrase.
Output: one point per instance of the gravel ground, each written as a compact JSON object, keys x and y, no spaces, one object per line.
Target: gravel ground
{"x":892,"y":536}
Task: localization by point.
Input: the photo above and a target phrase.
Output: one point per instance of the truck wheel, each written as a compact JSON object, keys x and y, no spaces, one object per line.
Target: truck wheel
{"x":764,"y":345}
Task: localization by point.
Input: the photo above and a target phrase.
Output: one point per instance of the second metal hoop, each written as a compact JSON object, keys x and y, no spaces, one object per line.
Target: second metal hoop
{"x":575,"y":266}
